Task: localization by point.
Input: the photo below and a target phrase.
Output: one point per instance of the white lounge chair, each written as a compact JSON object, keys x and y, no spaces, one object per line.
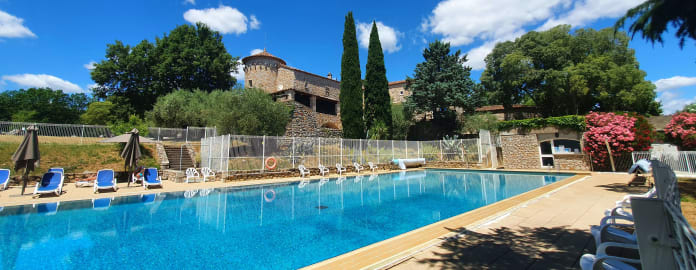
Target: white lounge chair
{"x":373,"y":167}
{"x":609,"y":231}
{"x":4,"y":178}
{"x":151,"y":178}
{"x":358,"y":167}
{"x":105,"y":180}
{"x":603,"y":261}
{"x":192,"y":175}
{"x":303,"y":171}
{"x":340,"y":169}
{"x":323,"y":170}
{"x":51,"y":182}
{"x":207,"y":172}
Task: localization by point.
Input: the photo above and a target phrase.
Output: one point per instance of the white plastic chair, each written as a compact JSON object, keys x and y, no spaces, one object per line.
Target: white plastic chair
{"x":192,"y":174}
{"x":303,"y":171}
{"x":340,"y":169}
{"x":373,"y":167}
{"x":323,"y":170}
{"x":207,"y":172}
{"x":358,"y":167}
{"x":603,"y":261}
{"x":609,"y":231}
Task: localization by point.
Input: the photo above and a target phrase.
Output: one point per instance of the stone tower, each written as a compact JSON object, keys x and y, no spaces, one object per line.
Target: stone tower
{"x":261,"y":71}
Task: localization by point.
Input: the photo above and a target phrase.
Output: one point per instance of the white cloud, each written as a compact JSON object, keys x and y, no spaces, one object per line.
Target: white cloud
{"x":192,"y":2}
{"x":93,"y":85}
{"x":253,"y":22}
{"x":227,"y":20}
{"x":239,"y":74}
{"x":255,"y":51}
{"x":463,"y":22}
{"x":674,"y":82}
{"x":90,"y":65}
{"x":672,"y":102}
{"x":43,"y":80}
{"x":12,"y":27}
{"x":584,"y":12}
{"x":388,"y":36}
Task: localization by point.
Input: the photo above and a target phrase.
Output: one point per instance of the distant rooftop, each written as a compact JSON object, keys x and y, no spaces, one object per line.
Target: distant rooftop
{"x":491,"y":108}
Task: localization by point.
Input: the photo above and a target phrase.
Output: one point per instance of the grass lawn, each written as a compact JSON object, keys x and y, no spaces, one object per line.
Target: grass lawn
{"x":78,"y":158}
{"x":687,"y":189}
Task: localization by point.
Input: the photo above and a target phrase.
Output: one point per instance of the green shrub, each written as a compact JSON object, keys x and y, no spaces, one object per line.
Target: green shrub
{"x":572,"y":122}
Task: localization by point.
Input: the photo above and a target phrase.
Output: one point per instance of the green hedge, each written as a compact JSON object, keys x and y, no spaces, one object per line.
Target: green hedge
{"x":573,"y":122}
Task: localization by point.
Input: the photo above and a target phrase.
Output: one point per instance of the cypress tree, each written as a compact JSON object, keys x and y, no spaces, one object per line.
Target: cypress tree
{"x":377,"y":102}
{"x":351,"y":85}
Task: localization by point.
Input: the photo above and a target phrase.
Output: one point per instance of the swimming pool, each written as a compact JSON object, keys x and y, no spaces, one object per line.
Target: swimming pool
{"x":281,"y":226}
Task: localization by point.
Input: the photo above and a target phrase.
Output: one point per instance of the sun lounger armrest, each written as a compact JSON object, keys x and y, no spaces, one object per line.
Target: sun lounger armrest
{"x":602,"y":258}
{"x":612,"y":220}
{"x":602,"y":249}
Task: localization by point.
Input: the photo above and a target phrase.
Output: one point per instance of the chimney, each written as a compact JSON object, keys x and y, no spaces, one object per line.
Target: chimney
{"x":329,"y":76}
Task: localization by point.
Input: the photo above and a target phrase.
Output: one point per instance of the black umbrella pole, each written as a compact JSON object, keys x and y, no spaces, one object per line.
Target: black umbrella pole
{"x":25,"y":178}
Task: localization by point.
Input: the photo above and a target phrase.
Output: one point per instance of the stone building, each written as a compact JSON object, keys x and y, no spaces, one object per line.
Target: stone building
{"x":546,"y":148}
{"x":398,"y":92}
{"x":516,"y":112}
{"x":315,"y":98}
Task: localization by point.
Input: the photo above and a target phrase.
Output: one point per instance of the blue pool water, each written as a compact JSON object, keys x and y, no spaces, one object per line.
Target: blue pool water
{"x":261,"y":227}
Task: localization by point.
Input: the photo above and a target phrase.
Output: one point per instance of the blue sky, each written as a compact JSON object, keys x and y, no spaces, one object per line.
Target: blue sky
{"x":51,"y":43}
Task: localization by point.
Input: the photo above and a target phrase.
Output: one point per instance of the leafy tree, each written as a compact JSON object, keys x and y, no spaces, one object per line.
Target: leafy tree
{"x":351,"y":95}
{"x":239,"y":111}
{"x":691,"y":108}
{"x":99,"y":113}
{"x":377,"y":100}
{"x":42,"y":105}
{"x":654,"y":16}
{"x":180,"y":109}
{"x":378,"y":131}
{"x":190,"y":57}
{"x":473,"y":123}
{"x":248,"y":111}
{"x":440,"y":84}
{"x":134,"y":121}
{"x":569,"y":74}
{"x":400,"y":123}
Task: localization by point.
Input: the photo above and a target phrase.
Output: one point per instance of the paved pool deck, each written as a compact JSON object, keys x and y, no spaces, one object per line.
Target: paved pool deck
{"x":549,"y":232}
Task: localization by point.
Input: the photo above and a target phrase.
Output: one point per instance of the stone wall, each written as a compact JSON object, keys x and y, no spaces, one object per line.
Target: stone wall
{"x":575,"y":162}
{"x":262,"y":73}
{"x":162,"y":156}
{"x":307,"y":123}
{"x":521,"y":151}
{"x":398,"y":92}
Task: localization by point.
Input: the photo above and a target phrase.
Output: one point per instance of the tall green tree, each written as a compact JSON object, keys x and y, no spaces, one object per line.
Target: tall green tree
{"x":654,"y":16}
{"x":377,"y":100}
{"x":351,"y":94}
{"x":564,"y":73}
{"x":42,"y":105}
{"x":440,"y":85}
{"x":189,"y":57}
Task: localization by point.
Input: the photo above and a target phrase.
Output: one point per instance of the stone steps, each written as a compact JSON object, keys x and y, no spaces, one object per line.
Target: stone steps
{"x":179,"y":158}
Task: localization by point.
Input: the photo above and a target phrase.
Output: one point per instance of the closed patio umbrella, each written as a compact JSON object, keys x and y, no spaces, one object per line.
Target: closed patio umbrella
{"x":27,"y":155}
{"x":131,"y":153}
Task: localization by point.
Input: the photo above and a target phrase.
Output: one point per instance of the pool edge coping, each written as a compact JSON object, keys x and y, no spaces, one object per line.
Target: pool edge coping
{"x":383,"y":254}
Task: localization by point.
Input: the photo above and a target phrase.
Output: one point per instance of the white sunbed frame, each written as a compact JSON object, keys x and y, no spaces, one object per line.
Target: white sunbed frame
{"x":358,"y":167}
{"x":159,"y":179}
{"x":340,"y":169}
{"x":114,"y":186}
{"x":303,"y":171}
{"x":57,"y":191}
{"x":7,"y":181}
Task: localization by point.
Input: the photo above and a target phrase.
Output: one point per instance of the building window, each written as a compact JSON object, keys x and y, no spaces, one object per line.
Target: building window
{"x":306,"y":85}
{"x":250,"y":84}
{"x":327,"y":91}
{"x":401,"y":92}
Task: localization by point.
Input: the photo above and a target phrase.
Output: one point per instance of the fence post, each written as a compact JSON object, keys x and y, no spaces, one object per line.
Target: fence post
{"x":392,"y":149}
{"x":362,"y":161}
{"x":461,"y":147}
{"x":377,"y":151}
{"x":222,"y":146}
{"x":187,"y":134}
{"x":292,"y":156}
{"x":263,"y":153}
{"x":319,"y":153}
{"x":341,"y":156}
{"x":159,"y":131}
{"x":686,"y":157}
{"x":440,"y":141}
{"x":82,"y":135}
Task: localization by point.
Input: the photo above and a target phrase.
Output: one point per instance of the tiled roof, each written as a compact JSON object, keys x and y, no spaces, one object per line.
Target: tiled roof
{"x":397,"y":82}
{"x":500,"y":107}
{"x":264,"y":54}
{"x":659,"y":122}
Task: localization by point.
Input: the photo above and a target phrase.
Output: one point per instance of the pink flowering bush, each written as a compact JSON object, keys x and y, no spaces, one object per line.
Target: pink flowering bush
{"x":617,"y":129}
{"x":682,"y":130}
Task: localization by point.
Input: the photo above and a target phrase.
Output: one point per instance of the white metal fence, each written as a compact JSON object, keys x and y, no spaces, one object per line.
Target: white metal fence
{"x":56,"y":133}
{"x":188,"y":134}
{"x":248,"y":153}
{"x":681,"y":162}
